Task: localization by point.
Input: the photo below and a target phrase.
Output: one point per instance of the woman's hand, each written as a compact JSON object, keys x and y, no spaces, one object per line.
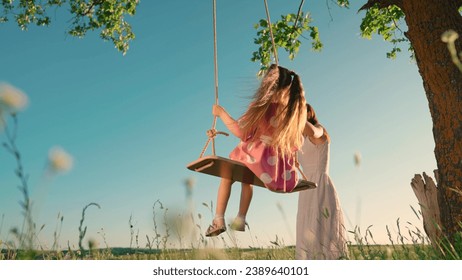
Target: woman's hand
{"x":217,"y":110}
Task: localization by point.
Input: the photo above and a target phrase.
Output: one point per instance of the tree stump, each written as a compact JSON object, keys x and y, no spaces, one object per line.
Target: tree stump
{"x":426,"y":192}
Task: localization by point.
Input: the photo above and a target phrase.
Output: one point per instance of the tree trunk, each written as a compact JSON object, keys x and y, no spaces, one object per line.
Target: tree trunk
{"x":427,"y":20}
{"x":427,"y":194}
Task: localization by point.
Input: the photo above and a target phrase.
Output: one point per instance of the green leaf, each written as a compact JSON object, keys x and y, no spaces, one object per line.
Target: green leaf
{"x":385,"y":22}
{"x":286,"y":36}
{"x":107,"y":16}
{"x":343,"y":3}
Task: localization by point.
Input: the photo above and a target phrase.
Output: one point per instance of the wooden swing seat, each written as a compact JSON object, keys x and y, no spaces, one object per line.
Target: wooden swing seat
{"x":236,"y":171}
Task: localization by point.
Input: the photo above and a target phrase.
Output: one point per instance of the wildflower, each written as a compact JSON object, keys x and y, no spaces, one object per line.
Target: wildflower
{"x":12,"y":99}
{"x":91,"y":244}
{"x":449,"y":36}
{"x":59,"y":160}
{"x":189,"y":183}
{"x":357,"y":159}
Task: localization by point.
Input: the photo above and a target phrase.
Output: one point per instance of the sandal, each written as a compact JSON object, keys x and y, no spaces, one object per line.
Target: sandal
{"x":214,"y":229}
{"x":238,"y":224}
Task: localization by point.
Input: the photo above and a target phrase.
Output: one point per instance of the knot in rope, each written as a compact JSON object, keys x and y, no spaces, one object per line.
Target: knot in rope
{"x":211,"y":134}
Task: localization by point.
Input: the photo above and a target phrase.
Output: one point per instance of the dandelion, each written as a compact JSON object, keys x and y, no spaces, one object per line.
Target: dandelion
{"x":449,"y":36}
{"x":91,"y":244}
{"x":12,"y":99}
{"x":189,"y":183}
{"x":357,"y":159}
{"x":59,"y":160}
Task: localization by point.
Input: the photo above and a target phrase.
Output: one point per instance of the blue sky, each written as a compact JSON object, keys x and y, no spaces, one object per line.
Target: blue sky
{"x":133,"y":122}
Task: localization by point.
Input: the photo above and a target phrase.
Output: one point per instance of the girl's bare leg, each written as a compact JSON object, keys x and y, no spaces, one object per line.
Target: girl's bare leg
{"x":218,"y":225}
{"x":246,"y":198}
{"x":244,"y":204}
{"x":224,"y":192}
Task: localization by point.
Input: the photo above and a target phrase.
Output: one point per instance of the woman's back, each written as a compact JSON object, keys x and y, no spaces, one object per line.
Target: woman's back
{"x":314,"y":158}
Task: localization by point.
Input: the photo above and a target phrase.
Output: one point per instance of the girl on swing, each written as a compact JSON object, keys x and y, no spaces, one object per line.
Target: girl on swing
{"x":271,"y":132}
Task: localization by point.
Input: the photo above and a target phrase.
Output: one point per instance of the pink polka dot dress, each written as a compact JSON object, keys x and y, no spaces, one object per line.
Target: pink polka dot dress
{"x":278,"y":173}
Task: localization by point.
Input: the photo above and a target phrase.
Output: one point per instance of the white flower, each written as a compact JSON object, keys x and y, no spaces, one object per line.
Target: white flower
{"x":12,"y":99}
{"x":190,"y":182}
{"x":59,"y":160}
{"x":449,"y":36}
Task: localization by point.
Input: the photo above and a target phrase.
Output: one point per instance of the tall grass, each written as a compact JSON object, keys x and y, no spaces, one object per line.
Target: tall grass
{"x":169,"y":241}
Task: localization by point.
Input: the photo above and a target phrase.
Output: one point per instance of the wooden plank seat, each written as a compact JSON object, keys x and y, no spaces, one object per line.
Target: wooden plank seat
{"x":236,"y":171}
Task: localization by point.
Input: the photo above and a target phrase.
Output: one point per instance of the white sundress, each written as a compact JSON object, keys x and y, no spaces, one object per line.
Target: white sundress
{"x":320,"y":226}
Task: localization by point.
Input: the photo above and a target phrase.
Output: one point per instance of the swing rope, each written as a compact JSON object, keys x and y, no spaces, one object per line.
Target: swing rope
{"x":210,"y":167}
{"x":275,"y":53}
{"x":295,"y":28}
{"x":268,"y":19}
{"x":270,"y":26}
{"x":215,"y":54}
{"x":212,"y":133}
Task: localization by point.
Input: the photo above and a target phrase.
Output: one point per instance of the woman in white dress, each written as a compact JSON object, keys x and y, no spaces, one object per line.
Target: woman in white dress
{"x":321,"y":233}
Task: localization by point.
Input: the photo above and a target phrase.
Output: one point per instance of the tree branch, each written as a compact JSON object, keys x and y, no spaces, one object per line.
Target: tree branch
{"x":93,"y":4}
{"x":381,"y":3}
{"x":298,"y":13}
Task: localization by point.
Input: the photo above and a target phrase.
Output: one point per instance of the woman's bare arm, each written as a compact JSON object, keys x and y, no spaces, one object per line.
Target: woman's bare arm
{"x":313,"y":131}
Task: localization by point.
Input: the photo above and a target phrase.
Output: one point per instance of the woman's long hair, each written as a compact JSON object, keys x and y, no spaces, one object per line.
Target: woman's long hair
{"x":313,"y":119}
{"x":278,"y":82}
{"x":311,"y":115}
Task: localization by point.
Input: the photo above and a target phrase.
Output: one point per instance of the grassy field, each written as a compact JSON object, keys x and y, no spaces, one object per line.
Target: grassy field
{"x":363,"y":249}
{"x":356,"y":252}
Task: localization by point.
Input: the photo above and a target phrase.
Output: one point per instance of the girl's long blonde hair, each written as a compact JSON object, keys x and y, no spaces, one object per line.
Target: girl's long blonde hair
{"x":275,"y":86}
